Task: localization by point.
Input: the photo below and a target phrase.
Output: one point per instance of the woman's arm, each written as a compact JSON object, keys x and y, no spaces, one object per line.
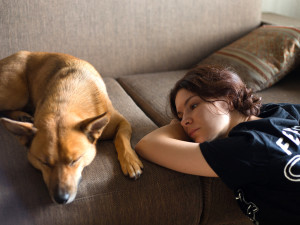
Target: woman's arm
{"x":169,"y":146}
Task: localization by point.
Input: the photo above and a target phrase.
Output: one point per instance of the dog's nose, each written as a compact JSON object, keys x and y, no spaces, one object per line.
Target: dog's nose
{"x":61,"y":196}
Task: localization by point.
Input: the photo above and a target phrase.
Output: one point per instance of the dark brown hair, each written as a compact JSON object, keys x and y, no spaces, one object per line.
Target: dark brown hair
{"x":215,"y":82}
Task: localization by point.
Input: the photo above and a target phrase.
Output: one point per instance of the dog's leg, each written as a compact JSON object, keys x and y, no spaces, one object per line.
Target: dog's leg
{"x":130,"y":163}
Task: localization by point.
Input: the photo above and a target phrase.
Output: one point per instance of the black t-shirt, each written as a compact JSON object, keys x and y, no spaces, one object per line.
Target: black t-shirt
{"x":260,"y":162}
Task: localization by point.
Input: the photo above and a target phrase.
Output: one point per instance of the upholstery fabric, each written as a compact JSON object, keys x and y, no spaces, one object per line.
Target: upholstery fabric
{"x":262,"y":57}
{"x":104,"y":190}
{"x":150,"y":92}
{"x":286,"y":91}
{"x":135,"y":36}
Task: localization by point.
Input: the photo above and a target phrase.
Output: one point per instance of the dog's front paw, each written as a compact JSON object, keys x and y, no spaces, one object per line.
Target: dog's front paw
{"x":131,"y":165}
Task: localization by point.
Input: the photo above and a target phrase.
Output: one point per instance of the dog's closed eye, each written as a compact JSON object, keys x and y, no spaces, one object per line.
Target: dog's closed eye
{"x":73,"y":162}
{"x":46,"y":163}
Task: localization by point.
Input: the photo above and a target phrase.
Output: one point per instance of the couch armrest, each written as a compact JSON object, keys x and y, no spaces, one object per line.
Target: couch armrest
{"x":276,"y":19}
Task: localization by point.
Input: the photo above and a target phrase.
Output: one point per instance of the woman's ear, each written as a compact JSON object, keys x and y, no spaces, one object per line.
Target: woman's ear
{"x":222,"y":106}
{"x":230,"y":106}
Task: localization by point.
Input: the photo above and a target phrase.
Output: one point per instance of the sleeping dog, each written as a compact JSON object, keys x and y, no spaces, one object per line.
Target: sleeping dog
{"x":57,"y":106}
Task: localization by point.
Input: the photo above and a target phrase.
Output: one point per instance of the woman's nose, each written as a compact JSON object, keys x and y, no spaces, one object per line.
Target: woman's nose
{"x":185,"y":121}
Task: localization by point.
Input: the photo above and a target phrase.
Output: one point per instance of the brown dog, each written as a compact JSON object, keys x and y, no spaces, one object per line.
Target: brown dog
{"x":71,"y":109}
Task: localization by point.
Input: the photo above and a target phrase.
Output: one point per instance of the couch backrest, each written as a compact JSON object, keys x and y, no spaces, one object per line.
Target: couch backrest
{"x":126,"y":36}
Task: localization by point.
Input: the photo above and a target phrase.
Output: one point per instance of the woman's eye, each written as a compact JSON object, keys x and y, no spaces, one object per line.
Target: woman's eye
{"x":194,"y":106}
{"x":179,"y":116}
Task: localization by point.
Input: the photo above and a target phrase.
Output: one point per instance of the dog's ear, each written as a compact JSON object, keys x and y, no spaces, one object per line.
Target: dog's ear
{"x":94,"y":126}
{"x":24,"y":131}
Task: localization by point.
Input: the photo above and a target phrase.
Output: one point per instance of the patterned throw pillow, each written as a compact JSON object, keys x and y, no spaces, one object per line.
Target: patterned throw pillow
{"x":262,"y":57}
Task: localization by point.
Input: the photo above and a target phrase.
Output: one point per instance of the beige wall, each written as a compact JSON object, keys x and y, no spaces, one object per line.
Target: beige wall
{"x":285,"y":7}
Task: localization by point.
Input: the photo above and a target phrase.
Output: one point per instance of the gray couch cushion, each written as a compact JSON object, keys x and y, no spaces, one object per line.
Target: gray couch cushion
{"x":160,"y":196}
{"x":135,"y":36}
{"x":150,"y":92}
{"x":287,"y":90}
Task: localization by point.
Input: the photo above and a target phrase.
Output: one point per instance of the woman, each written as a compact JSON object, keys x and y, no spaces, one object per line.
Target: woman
{"x":221,"y":130}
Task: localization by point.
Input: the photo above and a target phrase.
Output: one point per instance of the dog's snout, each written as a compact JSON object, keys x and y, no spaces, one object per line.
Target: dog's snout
{"x":61,"y":196}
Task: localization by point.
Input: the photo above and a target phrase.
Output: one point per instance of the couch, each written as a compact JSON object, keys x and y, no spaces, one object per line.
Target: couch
{"x":141,"y":48}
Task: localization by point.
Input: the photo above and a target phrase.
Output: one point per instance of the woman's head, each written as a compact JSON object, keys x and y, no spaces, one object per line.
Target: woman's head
{"x":214,"y":89}
{"x":215,"y":82}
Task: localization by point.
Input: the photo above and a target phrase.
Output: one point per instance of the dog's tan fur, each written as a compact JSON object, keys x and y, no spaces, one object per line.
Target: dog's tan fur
{"x":71,"y":111}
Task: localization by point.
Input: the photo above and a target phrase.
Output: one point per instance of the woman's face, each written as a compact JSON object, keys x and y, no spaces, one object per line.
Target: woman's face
{"x":202,"y":121}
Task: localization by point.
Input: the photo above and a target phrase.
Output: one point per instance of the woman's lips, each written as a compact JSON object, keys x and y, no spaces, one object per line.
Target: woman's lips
{"x":192,"y":132}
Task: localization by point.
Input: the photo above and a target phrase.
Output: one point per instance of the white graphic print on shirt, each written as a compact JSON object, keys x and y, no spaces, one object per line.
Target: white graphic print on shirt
{"x":293,"y":135}
{"x":251,"y":208}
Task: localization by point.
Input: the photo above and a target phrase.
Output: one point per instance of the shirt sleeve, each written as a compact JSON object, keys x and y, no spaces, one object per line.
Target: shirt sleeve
{"x":237,"y":160}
